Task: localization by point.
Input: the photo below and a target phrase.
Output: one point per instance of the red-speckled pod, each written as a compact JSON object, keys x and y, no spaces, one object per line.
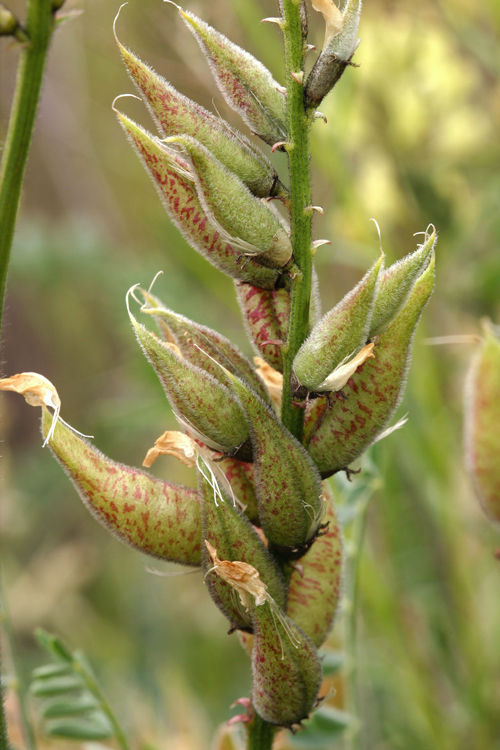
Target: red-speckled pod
{"x":286,"y":668}
{"x":171,"y":177}
{"x":482,"y":422}
{"x":265,"y":316}
{"x":175,"y":114}
{"x":234,"y":537}
{"x":195,"y":342}
{"x":344,"y":430}
{"x":314,"y":589}
{"x":154,"y":516}
{"x":246,"y":84}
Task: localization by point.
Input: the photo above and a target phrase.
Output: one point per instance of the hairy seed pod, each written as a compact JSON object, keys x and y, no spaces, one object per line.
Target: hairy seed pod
{"x":345,"y":429}
{"x":246,"y":221}
{"x":282,"y":469}
{"x":156,"y":517}
{"x":339,"y":335}
{"x":286,"y":668}
{"x":201,"y":404}
{"x":265,"y":316}
{"x":195,"y":342}
{"x":175,"y":114}
{"x":240,"y":476}
{"x":395,"y":282}
{"x":234,"y":537}
{"x":171,"y":177}
{"x":482,"y":420}
{"x":315,"y":587}
{"x":246,"y":84}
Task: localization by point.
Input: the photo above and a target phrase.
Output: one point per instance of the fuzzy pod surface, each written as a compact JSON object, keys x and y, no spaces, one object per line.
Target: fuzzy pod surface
{"x":245,"y":83}
{"x":176,"y":114}
{"x":171,"y":176}
{"x":235,"y":539}
{"x":339,"y":334}
{"x":345,"y":429}
{"x":314,"y":590}
{"x":153,"y":516}
{"x":482,"y":422}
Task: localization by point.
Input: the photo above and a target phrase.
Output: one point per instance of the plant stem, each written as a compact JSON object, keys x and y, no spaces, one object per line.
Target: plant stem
{"x":80,"y":666}
{"x":260,"y":734}
{"x":39,"y":26}
{"x":300,"y":207}
{"x":19,"y":680}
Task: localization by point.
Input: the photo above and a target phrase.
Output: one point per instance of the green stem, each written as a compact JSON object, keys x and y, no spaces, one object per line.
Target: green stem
{"x":260,"y":734}
{"x":4,"y":737}
{"x":300,"y":207}
{"x":39,"y":26}
{"x":357,"y":539}
{"x":80,"y":666}
{"x":19,"y":680}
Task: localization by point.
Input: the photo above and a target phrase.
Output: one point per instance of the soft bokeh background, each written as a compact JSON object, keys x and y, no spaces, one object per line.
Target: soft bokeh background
{"x":412,"y":138}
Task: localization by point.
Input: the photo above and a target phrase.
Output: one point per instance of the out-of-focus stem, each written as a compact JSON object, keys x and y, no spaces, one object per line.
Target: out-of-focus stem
{"x":39,"y":25}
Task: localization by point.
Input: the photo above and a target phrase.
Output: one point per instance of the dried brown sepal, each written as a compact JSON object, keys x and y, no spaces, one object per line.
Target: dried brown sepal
{"x":175,"y":444}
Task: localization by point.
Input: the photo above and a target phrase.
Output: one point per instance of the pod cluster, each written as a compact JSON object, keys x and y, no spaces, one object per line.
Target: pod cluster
{"x":261,"y":522}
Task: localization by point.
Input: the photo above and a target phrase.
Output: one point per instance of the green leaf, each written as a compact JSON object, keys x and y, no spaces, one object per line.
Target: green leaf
{"x":52,"y":643}
{"x":95,"y":727}
{"x":50,"y":670}
{"x":325,"y":727}
{"x":70,"y":707}
{"x":56,"y":685}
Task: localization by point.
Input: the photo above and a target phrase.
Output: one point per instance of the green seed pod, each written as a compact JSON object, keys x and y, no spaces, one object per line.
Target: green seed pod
{"x":346,"y":429}
{"x":339,"y":335}
{"x":314,"y":590}
{"x":395,"y":282}
{"x":201,"y":404}
{"x":242,"y":218}
{"x":234,"y":537}
{"x":286,"y":668}
{"x":240,"y":476}
{"x":153,"y":516}
{"x":335,"y":56}
{"x":265,"y":316}
{"x":282,"y":468}
{"x":173,"y":180}
{"x":196,"y":341}
{"x":175,"y":114}
{"x":245,"y":83}
{"x":482,"y":420}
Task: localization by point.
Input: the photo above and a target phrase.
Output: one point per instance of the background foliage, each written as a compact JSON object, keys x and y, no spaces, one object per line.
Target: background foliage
{"x":412,"y":138}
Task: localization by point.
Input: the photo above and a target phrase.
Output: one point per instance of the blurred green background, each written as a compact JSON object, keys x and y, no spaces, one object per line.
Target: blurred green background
{"x":411,"y":138}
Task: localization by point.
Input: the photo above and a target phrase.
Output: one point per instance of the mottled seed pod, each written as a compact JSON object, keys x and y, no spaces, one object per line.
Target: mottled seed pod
{"x":315,"y":585}
{"x":286,"y":669}
{"x":482,"y":420}
{"x":395,"y":282}
{"x":234,"y":537}
{"x":175,"y":114}
{"x":201,"y":404}
{"x":201,"y":345}
{"x":246,"y":221}
{"x":175,"y":185}
{"x":246,"y":84}
{"x":265,"y":316}
{"x":339,"y":335}
{"x":153,"y":516}
{"x":282,"y":468}
{"x":240,"y":476}
{"x":344,"y":430}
